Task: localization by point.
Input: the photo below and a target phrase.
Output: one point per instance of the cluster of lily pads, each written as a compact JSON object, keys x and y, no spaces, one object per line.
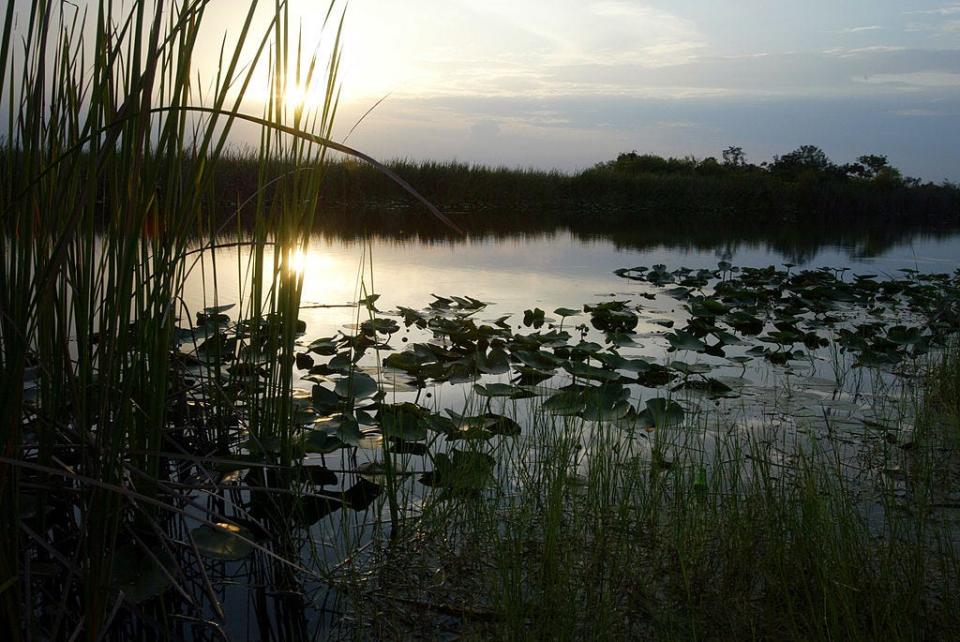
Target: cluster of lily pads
{"x":730,"y":317}
{"x":787,"y":311}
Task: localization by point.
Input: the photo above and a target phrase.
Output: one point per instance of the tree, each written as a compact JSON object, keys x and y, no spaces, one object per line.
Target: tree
{"x":806,"y":158}
{"x":873,"y":164}
{"x":875,"y":168}
{"x":709,"y":167}
{"x":734,"y":157}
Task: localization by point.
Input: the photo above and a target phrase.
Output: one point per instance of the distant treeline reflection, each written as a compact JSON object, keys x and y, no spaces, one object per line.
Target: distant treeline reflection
{"x":797,"y":243}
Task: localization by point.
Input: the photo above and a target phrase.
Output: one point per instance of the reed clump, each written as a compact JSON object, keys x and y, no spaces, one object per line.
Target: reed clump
{"x":704,"y":531}
{"x":111,"y":146}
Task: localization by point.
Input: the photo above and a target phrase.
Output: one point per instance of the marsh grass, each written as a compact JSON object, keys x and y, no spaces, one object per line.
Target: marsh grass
{"x":703,"y":531}
{"x":109,"y":169}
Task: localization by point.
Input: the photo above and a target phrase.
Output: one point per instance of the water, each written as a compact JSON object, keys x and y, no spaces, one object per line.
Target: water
{"x":547,"y":271}
{"x":514,"y":273}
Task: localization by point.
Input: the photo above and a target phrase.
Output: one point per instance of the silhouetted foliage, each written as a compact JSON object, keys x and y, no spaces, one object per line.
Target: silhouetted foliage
{"x":802,"y":187}
{"x":734,"y":157}
{"x":808,"y":159}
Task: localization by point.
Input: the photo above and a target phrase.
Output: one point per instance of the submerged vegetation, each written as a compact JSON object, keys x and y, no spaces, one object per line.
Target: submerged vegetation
{"x":752,"y":452}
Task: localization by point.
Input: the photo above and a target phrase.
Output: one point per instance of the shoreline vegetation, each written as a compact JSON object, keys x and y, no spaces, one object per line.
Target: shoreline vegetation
{"x":786,"y":541}
{"x":800,"y":188}
{"x":168,"y":472}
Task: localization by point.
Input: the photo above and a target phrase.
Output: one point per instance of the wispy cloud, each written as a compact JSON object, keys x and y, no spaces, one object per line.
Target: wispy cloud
{"x":915,"y":80}
{"x":919,"y":112}
{"x":948,"y":10}
{"x":944,"y":27}
{"x":859,"y":29}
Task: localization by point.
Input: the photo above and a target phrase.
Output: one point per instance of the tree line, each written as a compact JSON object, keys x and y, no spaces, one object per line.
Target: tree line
{"x":806,"y":163}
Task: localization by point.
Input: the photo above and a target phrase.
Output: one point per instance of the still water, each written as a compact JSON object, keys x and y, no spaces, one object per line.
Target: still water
{"x":521,"y":272}
{"x":513,"y":274}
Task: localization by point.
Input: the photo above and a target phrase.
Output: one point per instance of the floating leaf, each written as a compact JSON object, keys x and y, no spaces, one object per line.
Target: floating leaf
{"x":533,"y":318}
{"x":507,"y":390}
{"x":324,"y":399}
{"x":325,"y":347}
{"x":494,"y":362}
{"x":566,"y":402}
{"x":319,"y":441}
{"x":691,"y":368}
{"x":662,"y":413}
{"x":357,"y":385}
{"x":686,"y":341}
{"x":466,"y":472}
{"x":403,"y":421}
{"x":501,"y":425}
{"x":585,"y":371}
{"x":566,"y":312}
{"x":538,"y":360}
{"x":902,"y":335}
{"x":605,"y":403}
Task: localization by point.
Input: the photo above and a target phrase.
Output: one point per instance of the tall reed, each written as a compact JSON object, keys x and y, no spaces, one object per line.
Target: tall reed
{"x":109,"y":156}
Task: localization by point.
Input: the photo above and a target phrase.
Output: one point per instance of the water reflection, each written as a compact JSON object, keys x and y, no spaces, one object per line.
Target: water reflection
{"x":640,"y":231}
{"x":547,"y":270}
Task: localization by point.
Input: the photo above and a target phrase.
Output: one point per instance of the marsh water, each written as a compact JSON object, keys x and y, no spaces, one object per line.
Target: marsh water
{"x":547,"y":270}
{"x":515,"y":273}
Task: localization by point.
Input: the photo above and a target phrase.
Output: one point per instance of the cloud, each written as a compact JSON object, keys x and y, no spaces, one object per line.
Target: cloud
{"x":484,"y":131}
{"x":948,"y":10}
{"x":859,"y":29}
{"x":920,"y":113}
{"x":945,"y":27}
{"x":915,"y":80}
{"x":582,"y":130}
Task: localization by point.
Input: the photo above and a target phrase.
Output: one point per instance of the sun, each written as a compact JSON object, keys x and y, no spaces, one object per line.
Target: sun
{"x":303,"y":97}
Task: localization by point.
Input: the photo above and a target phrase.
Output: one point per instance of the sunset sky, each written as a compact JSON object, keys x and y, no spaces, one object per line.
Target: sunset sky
{"x":567,"y":83}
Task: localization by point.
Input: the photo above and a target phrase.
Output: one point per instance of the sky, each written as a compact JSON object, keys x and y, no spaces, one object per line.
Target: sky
{"x":568,"y":83}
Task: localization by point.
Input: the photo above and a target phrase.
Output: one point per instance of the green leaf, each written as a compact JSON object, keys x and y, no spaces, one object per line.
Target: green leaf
{"x":467,"y":471}
{"x":566,"y":402}
{"x":662,"y":413}
{"x":538,"y":360}
{"x":685,"y":341}
{"x":403,"y":421}
{"x":218,"y":309}
{"x":585,"y":371}
{"x":501,"y":425}
{"x":606,"y":403}
{"x":324,"y":399}
{"x":691,"y":368}
{"x":320,"y":441}
{"x":507,"y":390}
{"x":357,"y":385}
{"x":904,"y":336}
{"x":326,"y":346}
{"x":494,"y":362}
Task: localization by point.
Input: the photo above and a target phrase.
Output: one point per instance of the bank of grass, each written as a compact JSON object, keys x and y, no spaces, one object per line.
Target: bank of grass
{"x":607,"y":192}
{"x":701,"y":532}
{"x":110,"y":156}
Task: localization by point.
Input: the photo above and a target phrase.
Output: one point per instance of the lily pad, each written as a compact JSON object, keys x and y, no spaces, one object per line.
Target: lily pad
{"x":357,"y":385}
{"x":662,"y":413}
